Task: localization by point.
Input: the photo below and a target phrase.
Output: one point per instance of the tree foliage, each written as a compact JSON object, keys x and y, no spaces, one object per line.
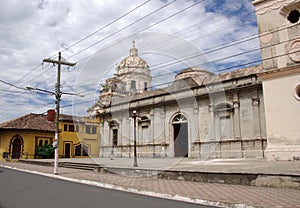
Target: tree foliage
{"x":45,"y":152}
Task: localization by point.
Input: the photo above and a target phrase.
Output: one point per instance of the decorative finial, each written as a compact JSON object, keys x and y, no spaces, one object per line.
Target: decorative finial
{"x":133,"y":50}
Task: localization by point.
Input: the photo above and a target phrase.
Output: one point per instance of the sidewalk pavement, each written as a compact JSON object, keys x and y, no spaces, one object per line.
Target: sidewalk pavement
{"x":204,"y":193}
{"x":247,"y":166}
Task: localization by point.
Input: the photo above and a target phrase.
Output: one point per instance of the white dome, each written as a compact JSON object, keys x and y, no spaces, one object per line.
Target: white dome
{"x":133,"y":60}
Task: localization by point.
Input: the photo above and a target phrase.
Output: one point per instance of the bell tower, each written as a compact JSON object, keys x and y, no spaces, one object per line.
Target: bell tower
{"x":278,"y":28}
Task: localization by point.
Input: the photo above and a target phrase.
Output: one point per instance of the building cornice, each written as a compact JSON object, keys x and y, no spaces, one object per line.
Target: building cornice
{"x":255,"y":2}
{"x":264,"y":6}
{"x":276,"y":73}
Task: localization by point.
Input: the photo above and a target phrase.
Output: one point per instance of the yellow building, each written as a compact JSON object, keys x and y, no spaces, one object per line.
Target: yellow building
{"x":20,"y":137}
{"x":79,"y":137}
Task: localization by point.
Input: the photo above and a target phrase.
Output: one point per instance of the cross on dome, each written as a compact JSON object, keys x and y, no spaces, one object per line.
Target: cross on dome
{"x":133,"y":49}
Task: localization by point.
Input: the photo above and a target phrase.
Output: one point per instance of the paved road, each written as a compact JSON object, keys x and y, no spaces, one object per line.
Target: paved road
{"x":20,"y":189}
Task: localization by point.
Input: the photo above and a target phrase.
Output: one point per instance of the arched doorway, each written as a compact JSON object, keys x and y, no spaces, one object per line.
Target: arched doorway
{"x":181,"y":141}
{"x":16,"y":147}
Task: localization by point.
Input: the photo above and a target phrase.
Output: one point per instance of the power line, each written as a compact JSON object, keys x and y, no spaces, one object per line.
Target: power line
{"x":114,"y":32}
{"x":174,"y":14}
{"x":29,"y":73}
{"x":228,"y":57}
{"x":107,"y":25}
{"x":145,"y":28}
{"x":251,"y":37}
{"x":12,"y":85}
{"x":150,"y":27}
{"x":236,"y":66}
{"x":42,"y":73}
{"x":191,"y":56}
{"x":17,"y":115}
{"x":81,"y":40}
{"x":123,"y":28}
{"x":233,"y":56}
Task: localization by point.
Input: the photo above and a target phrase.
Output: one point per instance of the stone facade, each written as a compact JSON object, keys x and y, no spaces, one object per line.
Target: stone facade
{"x":248,"y":113}
{"x":200,"y":115}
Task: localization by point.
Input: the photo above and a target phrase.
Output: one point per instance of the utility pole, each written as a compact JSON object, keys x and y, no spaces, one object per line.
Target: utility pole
{"x":57,"y":96}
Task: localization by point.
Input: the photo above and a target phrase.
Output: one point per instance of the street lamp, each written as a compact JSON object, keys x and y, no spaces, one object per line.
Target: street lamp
{"x":134,"y":115}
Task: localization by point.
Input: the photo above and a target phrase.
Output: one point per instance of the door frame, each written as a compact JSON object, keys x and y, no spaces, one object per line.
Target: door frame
{"x":181,"y":146}
{"x":70,"y":150}
{"x":20,"y":151}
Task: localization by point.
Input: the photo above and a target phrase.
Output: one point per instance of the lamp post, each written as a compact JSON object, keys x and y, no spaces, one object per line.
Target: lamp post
{"x":134,"y":115}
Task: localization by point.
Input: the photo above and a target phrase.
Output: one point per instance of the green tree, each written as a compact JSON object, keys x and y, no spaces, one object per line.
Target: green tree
{"x":45,"y":152}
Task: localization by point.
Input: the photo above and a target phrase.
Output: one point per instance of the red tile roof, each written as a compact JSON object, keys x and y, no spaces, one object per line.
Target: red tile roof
{"x":30,"y":122}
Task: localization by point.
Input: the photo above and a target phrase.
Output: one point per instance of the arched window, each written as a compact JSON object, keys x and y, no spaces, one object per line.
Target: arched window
{"x":179,"y":119}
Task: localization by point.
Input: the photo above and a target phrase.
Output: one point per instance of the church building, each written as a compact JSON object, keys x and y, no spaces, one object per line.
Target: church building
{"x":246,"y":113}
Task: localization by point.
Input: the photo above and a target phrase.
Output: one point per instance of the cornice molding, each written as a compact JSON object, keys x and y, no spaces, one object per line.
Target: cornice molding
{"x":264,"y":6}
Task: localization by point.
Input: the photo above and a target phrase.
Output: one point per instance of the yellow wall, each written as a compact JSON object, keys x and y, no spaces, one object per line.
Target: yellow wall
{"x":30,"y":141}
{"x":78,"y":137}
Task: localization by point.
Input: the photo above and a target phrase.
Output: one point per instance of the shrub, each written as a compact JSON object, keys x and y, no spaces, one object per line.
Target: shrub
{"x":45,"y":152}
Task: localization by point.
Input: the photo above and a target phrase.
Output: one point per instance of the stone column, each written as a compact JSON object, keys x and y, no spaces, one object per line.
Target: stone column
{"x":163,"y":141}
{"x":211,"y":127}
{"x":236,"y":120}
{"x":255,"y":104}
{"x":151,"y":132}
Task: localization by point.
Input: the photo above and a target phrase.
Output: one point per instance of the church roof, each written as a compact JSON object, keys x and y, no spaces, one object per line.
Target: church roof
{"x":210,"y":78}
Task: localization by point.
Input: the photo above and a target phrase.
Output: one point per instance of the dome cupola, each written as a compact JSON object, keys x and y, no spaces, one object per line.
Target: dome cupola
{"x":134,"y":72}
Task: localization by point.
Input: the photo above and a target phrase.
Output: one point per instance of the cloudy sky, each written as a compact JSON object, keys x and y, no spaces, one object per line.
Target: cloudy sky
{"x":221,"y":35}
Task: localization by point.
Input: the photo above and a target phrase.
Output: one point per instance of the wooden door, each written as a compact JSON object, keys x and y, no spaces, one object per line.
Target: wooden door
{"x":180,"y":140}
{"x":16,"y":148}
{"x":67,"y":150}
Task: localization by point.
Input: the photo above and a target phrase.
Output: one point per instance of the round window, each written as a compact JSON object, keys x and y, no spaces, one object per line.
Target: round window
{"x":297,"y":91}
{"x":294,"y":16}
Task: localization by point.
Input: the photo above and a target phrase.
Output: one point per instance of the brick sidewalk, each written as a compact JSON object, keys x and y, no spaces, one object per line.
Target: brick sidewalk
{"x":228,"y":195}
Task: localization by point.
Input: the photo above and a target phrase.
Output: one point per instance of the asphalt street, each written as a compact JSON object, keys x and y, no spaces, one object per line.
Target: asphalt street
{"x":20,"y":189}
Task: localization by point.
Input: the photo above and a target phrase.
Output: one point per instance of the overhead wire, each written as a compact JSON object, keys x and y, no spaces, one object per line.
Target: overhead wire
{"x":146,"y":28}
{"x":81,"y":40}
{"x":251,"y":37}
{"x":170,"y":16}
{"x":257,"y":61}
{"x":105,"y":26}
{"x":123,"y":28}
{"x":149,"y":14}
{"x":143,"y":29}
{"x":214,"y":49}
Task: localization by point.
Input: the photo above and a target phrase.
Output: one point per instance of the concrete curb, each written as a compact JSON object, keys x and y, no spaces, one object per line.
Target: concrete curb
{"x":131,"y":190}
{"x":234,"y":178}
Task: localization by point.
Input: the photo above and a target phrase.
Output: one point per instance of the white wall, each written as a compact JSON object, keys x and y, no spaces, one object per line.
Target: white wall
{"x":282,"y":111}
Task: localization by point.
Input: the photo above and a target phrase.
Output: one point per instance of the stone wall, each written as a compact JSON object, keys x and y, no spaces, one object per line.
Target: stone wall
{"x":222,"y":123}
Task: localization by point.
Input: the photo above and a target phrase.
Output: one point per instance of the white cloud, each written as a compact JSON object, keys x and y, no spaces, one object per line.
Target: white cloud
{"x":34,"y":30}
